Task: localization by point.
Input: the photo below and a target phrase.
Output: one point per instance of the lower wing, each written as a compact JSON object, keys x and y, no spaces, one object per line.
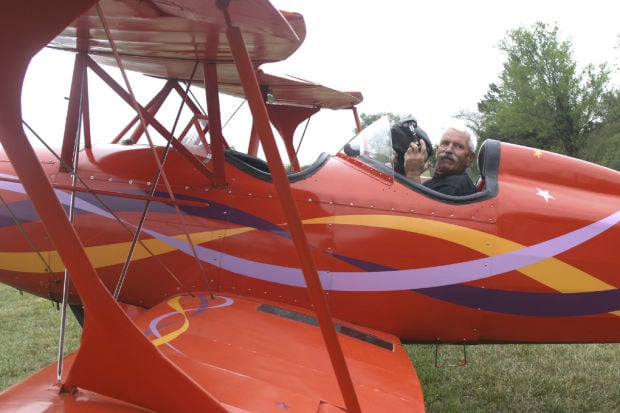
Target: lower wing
{"x":252,"y":356}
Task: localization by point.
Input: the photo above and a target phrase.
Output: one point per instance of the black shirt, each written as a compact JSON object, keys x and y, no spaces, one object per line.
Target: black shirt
{"x":459,"y":184}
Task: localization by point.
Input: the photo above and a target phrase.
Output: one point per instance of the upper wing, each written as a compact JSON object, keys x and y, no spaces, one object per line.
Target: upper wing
{"x":163,"y":38}
{"x":295,"y":91}
{"x":171,"y":40}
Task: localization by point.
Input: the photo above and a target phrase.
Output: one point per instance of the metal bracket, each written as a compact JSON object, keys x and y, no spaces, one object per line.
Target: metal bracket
{"x":460,"y":363}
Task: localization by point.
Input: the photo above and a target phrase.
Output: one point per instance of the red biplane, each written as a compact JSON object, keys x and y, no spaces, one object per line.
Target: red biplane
{"x":209,"y":279}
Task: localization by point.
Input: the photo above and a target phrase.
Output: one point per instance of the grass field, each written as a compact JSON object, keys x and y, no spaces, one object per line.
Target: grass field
{"x":497,"y":378}
{"x":29,"y":334}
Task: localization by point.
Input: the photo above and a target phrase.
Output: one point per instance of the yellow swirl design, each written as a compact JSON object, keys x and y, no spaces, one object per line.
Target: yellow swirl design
{"x":175,"y":303}
{"x":573,"y":279}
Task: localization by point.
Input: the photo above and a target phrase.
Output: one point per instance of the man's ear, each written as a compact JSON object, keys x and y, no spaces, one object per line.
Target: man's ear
{"x":470,"y":158}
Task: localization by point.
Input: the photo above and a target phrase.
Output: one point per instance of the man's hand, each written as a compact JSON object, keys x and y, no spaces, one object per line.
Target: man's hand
{"x":414,"y":161}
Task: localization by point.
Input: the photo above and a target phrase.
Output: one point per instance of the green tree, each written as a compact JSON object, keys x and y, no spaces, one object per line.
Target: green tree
{"x":603,"y":146}
{"x":473,"y":120}
{"x":367,"y":119}
{"x":541,"y":100}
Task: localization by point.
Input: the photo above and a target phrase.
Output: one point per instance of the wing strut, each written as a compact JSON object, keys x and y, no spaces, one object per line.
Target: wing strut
{"x":280,"y":180}
{"x":161,"y":174}
{"x":215,"y":121}
{"x":161,"y":382}
{"x":74,"y":112}
{"x":286,"y":119}
{"x":148,"y":118}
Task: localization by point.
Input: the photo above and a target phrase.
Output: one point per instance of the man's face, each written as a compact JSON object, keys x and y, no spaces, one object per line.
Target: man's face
{"x":453,"y":154}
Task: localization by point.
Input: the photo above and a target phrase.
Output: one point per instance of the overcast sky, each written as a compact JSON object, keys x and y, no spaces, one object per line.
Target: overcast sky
{"x":434,"y":58}
{"x":430,"y":59}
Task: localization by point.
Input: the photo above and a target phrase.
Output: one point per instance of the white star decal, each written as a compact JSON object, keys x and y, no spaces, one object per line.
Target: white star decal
{"x":544,"y":194}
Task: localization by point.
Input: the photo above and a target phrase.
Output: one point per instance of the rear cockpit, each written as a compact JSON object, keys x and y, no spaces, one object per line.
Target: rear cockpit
{"x":372,"y":150}
{"x":486,"y":183}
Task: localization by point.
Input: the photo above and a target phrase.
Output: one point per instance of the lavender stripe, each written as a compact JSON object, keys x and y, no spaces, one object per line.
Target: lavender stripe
{"x":391,"y":280}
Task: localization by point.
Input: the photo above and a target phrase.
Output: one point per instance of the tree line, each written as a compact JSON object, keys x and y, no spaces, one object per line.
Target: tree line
{"x":543,"y":100}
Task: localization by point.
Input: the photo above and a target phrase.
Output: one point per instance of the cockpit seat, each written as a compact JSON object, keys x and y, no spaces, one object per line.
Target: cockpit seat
{"x":488,"y":164}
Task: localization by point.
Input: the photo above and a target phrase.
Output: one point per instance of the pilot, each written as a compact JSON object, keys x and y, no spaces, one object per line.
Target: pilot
{"x":455,"y":152}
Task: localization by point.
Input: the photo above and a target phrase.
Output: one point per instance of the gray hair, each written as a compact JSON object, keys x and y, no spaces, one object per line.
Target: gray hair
{"x":460,"y":126}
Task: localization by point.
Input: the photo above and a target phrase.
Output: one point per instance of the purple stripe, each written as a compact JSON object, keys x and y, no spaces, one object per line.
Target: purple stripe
{"x":528,"y":304}
{"x":401,"y":279}
{"x":389,"y":280}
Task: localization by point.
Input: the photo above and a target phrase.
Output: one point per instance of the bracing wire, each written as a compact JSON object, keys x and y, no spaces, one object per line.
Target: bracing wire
{"x":161,"y":173}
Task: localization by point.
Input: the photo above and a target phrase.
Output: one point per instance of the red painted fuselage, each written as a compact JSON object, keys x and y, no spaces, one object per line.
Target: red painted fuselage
{"x":529,"y":259}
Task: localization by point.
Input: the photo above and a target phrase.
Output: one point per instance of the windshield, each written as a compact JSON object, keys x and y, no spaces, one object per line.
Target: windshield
{"x":373,"y":146}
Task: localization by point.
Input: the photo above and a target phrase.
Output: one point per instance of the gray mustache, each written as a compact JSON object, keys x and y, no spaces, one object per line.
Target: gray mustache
{"x":448,"y":155}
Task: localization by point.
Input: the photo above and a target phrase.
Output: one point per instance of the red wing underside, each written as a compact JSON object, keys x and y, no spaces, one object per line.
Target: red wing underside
{"x":169,"y":45}
{"x":254,"y":356}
